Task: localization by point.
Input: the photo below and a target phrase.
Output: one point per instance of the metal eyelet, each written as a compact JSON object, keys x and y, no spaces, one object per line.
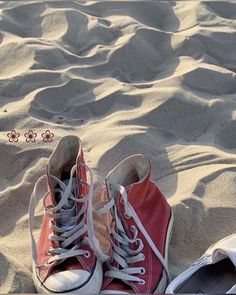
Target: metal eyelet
{"x":109,"y":261}
{"x":142,"y":256}
{"x":138,"y":242}
{"x":49,"y":251}
{"x":141,"y":282}
{"x":127,"y":216}
{"x":46,"y":263}
{"x":49,"y":236}
{"x":142,"y":270}
{"x":121,"y":200}
{"x":87,"y":254}
{"x":133,"y":228}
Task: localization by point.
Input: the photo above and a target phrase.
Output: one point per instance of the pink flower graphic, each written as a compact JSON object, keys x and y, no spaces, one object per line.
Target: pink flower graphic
{"x":30,"y":136}
{"x":13,"y":136}
{"x":47,"y":136}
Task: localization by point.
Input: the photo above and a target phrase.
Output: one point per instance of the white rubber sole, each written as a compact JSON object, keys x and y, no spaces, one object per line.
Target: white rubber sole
{"x":164,"y":280}
{"x":92,"y":287}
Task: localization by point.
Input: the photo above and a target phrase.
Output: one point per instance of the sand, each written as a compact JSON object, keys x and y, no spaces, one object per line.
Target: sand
{"x":148,"y":77}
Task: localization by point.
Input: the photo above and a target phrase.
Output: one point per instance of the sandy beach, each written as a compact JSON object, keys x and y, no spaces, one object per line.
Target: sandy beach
{"x":150,"y":77}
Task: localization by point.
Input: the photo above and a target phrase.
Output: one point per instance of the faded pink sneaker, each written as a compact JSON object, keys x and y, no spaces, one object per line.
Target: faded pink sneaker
{"x":139,"y":232}
{"x":63,"y":260}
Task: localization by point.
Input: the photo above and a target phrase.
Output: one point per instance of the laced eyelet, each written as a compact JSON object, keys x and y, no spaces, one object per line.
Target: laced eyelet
{"x":109,"y":261}
{"x":49,"y":251}
{"x":138,"y":242}
{"x":49,"y":236}
{"x":47,"y":263}
{"x":87,"y":254}
{"x":126,"y":215}
{"x":142,"y":270}
{"x":142,"y":256}
{"x":133,"y":228}
{"x":141,"y":282}
{"x":121,"y":200}
{"x":86,"y":239}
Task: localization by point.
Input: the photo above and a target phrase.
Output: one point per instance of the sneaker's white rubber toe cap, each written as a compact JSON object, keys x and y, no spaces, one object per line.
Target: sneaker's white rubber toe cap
{"x":66,"y":281}
{"x":71,"y":281}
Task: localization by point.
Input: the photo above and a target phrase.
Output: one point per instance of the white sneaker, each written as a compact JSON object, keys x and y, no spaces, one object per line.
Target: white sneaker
{"x":213,"y":273}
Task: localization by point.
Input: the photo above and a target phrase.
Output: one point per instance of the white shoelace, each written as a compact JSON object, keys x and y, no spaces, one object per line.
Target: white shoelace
{"x":122,"y":253}
{"x":67,"y":230}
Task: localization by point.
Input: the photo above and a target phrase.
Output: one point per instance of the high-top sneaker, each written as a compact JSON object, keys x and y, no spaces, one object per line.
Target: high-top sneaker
{"x":63,"y":260}
{"x":140,"y":230}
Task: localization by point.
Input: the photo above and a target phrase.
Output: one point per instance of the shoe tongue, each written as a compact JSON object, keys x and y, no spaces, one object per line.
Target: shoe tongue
{"x":64,"y":221}
{"x":68,"y":210}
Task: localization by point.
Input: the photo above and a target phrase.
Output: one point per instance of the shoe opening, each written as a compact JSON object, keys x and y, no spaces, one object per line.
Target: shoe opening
{"x":133,"y":169}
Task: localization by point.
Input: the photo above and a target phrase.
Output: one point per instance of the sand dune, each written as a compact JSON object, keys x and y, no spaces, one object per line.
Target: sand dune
{"x":151,"y":77}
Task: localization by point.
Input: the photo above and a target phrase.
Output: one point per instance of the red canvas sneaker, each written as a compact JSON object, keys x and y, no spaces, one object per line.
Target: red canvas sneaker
{"x":139,"y":231}
{"x":63,"y":260}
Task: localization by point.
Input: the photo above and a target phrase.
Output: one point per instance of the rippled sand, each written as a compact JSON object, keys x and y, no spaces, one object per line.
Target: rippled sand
{"x":148,"y":77}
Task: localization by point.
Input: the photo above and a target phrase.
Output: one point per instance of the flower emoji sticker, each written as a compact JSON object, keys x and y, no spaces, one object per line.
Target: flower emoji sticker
{"x":30,"y":136}
{"x":47,"y":136}
{"x":13,"y":136}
